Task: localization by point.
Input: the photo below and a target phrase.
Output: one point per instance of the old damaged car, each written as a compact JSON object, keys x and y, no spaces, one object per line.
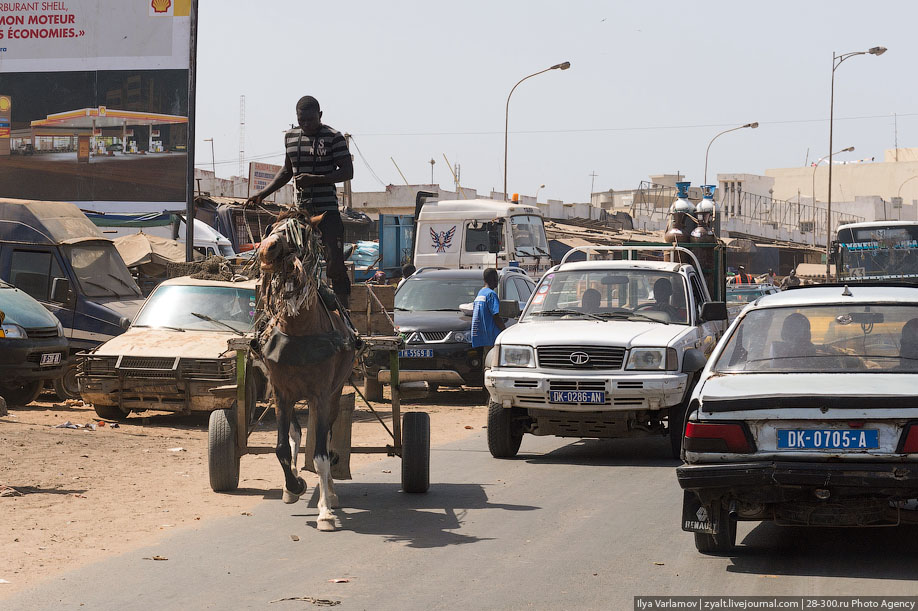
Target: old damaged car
{"x":806,"y":415}
{"x":175,"y":352}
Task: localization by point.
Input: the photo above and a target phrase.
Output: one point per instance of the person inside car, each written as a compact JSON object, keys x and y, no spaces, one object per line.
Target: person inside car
{"x":590,"y":301}
{"x":908,"y":346}
{"x":662,"y":292}
{"x":795,"y":339}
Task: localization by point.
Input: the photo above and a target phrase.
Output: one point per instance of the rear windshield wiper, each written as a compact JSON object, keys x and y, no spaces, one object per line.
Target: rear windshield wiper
{"x":561,"y":311}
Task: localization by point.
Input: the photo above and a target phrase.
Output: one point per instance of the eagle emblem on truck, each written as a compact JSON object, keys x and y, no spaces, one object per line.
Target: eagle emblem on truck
{"x":442,"y":240}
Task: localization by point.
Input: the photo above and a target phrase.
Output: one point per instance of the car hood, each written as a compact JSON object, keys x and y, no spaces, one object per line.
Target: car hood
{"x":595,"y":332}
{"x":722,"y":386}
{"x":431,"y":321}
{"x":19,"y":308}
{"x":167,"y":343}
{"x":123,"y":307}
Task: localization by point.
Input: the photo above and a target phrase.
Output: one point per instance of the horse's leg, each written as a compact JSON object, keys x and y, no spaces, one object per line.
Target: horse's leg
{"x":294,"y":486}
{"x":296,"y":435}
{"x":326,"y":519}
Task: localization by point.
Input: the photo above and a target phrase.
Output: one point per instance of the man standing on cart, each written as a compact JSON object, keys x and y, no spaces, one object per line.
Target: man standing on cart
{"x":317,"y":157}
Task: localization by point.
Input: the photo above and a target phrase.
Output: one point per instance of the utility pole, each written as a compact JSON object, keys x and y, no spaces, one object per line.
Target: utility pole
{"x":348,"y":194}
{"x":431,"y":162}
{"x":593,"y":176}
{"x":241,"y":135}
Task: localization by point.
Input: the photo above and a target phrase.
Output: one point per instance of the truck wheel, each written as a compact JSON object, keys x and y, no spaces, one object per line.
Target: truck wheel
{"x":722,"y":542}
{"x":109,"y":412}
{"x":415,"y":452}
{"x":222,"y":460}
{"x":503,"y":441}
{"x":372,"y":388}
{"x":22,"y":394}
{"x":66,"y":387}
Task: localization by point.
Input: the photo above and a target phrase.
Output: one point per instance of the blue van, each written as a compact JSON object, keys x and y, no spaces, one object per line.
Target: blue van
{"x":53,"y":252}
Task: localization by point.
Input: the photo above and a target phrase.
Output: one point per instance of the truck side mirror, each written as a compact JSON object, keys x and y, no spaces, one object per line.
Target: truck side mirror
{"x":60,"y":290}
{"x":713,"y":310}
{"x":833,"y":251}
{"x":510,"y":308}
{"x":494,"y":231}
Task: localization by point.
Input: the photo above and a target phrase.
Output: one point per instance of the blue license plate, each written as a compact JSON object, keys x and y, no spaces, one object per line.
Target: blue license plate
{"x":577,"y":396}
{"x":415,"y":353}
{"x":828,"y":439}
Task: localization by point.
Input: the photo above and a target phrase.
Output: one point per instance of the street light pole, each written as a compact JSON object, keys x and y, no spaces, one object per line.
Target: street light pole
{"x":561,"y":66}
{"x":836,"y":62}
{"x":537,"y":193}
{"x":753,"y":125}
{"x":815,"y":167}
{"x":213,"y":160}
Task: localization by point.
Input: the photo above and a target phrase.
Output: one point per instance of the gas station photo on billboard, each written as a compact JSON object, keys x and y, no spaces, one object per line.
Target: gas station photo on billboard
{"x":103,"y":135}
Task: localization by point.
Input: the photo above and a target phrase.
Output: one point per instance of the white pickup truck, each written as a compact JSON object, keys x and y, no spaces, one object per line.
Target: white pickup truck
{"x":604,"y":349}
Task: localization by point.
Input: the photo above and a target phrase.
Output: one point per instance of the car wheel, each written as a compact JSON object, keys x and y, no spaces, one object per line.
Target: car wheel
{"x":22,"y":394}
{"x":66,"y":387}
{"x":722,"y":542}
{"x":503,"y":440}
{"x":109,"y":412}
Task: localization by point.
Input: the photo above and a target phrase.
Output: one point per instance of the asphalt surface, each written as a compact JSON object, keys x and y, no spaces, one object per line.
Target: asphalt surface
{"x":568,"y":525}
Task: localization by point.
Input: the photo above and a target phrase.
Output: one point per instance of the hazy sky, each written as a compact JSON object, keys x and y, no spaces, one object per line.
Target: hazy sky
{"x":650,"y":84}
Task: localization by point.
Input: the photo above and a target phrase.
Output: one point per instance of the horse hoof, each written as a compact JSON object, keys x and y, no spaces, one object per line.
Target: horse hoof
{"x":293,"y":497}
{"x":326,"y":524}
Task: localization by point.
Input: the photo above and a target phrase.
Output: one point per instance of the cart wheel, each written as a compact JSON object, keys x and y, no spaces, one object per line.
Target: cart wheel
{"x":415,"y":452}
{"x":372,"y":387}
{"x":109,"y":412}
{"x":503,"y":440}
{"x":222,"y":461}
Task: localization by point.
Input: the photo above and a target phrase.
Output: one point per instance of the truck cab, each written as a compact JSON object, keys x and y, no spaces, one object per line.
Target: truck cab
{"x":51,"y":251}
{"x":480,"y":233}
{"x":604,"y":349}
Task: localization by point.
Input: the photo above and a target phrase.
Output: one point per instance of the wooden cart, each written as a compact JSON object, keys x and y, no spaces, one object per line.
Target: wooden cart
{"x":229,"y":429}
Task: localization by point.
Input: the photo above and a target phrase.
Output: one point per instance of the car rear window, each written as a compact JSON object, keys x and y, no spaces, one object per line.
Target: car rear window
{"x":824,"y":339}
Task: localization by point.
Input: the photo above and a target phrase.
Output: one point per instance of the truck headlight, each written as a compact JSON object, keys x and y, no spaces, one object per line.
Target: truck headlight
{"x":652,"y":359}
{"x":516,"y":356}
{"x":12,"y":331}
{"x":60,"y":329}
{"x":460,"y":337}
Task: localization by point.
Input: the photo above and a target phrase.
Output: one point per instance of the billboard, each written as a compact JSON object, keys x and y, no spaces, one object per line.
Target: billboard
{"x":260,"y":174}
{"x":98,"y":102}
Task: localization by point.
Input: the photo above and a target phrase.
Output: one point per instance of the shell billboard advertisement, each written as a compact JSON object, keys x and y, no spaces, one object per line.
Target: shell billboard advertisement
{"x":113,"y":73}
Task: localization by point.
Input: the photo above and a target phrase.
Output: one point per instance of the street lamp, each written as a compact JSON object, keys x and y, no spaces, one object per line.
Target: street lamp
{"x":561,"y":66}
{"x":537,"y":193}
{"x":815,"y":167}
{"x":836,"y":62}
{"x":753,"y":125}
{"x":213,"y":160}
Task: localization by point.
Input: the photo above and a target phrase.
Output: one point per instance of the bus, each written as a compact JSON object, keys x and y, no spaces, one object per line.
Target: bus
{"x":877,"y":250}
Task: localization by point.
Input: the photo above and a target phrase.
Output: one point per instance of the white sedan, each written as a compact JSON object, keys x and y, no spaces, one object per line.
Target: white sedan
{"x":806,"y":414}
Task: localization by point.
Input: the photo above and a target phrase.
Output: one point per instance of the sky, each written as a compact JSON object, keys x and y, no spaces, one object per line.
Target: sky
{"x":650,"y":84}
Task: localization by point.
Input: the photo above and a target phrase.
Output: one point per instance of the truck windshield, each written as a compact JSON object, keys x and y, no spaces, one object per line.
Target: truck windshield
{"x":173,"y":306}
{"x":878,"y":252}
{"x":436,"y":294}
{"x":627,"y":294}
{"x":101,"y":272}
{"x":528,"y":235}
{"x":824,"y":339}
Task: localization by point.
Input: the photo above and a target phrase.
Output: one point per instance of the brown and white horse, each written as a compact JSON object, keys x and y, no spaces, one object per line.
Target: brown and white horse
{"x":308,"y":350}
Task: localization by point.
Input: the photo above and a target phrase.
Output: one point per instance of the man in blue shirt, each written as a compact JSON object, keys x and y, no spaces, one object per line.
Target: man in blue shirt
{"x":486,"y":320}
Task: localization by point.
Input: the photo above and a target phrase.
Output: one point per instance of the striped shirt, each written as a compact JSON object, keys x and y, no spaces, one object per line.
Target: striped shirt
{"x":318,"y":154}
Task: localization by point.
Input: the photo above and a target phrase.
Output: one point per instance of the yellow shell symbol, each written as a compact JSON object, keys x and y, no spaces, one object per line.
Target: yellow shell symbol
{"x":161,"y":6}
{"x":4,"y":103}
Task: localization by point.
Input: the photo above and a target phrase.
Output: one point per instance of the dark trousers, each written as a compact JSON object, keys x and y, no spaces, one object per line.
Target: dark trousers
{"x":331,"y":229}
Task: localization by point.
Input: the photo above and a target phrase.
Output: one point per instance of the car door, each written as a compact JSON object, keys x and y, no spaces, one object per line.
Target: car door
{"x":525,"y":287}
{"x":709,"y":331}
{"x":34,"y":269}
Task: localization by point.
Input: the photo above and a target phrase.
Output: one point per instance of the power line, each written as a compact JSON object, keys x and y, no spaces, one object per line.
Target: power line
{"x":365,"y":162}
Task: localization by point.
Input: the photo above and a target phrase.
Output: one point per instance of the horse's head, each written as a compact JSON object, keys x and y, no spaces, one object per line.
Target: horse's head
{"x":286,"y":237}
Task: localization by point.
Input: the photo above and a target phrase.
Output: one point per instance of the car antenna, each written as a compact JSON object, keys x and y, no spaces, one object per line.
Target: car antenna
{"x":846,"y":292}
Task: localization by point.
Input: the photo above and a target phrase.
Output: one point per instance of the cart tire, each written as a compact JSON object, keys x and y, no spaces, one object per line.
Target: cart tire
{"x":372,"y":388}
{"x":415,"y":452}
{"x":724,"y":541}
{"x":503,"y":441}
{"x":109,"y":412}
{"x":222,"y":460}
{"x":22,"y":394}
{"x":66,"y":387}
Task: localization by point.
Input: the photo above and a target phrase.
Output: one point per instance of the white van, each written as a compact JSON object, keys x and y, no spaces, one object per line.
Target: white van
{"x":207,"y":240}
{"x":462,"y":234}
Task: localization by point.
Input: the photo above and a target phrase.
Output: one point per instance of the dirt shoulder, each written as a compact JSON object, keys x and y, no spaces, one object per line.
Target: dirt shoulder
{"x":79,"y":495}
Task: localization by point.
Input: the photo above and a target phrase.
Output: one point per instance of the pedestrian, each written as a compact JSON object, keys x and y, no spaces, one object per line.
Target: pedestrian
{"x":407,"y":271}
{"x":790,"y":280}
{"x":316,"y":158}
{"x":772,"y":278}
{"x":743,"y":277}
{"x":486,"y":320}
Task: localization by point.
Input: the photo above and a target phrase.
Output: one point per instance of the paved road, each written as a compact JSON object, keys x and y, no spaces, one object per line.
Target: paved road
{"x":568,"y":525}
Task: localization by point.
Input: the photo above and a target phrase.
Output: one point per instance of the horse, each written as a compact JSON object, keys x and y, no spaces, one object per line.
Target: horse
{"x":308,"y":348}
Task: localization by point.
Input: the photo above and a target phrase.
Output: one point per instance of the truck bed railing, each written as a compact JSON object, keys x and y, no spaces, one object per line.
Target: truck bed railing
{"x":632,"y":249}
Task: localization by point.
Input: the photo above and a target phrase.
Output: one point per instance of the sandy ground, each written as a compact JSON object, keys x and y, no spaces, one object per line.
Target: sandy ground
{"x":79,"y":495}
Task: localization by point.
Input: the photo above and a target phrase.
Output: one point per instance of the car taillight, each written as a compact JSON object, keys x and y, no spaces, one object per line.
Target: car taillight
{"x":720,"y":437}
{"x":909,"y":444}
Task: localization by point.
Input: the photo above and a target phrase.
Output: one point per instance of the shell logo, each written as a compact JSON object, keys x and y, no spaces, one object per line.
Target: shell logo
{"x":160,"y":6}
{"x":5,"y":103}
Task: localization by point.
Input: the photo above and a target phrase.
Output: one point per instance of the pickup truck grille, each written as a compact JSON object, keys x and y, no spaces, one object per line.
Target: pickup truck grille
{"x":598,"y":357}
{"x":143,"y":362}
